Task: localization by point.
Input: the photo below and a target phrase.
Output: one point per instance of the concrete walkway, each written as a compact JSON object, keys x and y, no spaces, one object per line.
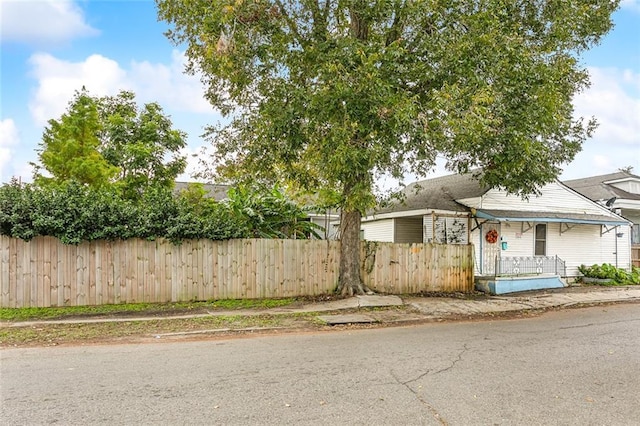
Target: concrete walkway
{"x":423,"y":307}
{"x":442,"y":307}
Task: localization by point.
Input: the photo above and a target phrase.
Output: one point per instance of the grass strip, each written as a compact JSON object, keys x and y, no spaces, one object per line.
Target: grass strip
{"x":55,"y":334}
{"x":33,"y":314}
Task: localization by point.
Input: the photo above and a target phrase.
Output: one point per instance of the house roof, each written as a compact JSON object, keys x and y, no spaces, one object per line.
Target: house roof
{"x":220,"y":192}
{"x":217,"y":192}
{"x":596,"y":188}
{"x":448,"y":193}
{"x":438,"y":194}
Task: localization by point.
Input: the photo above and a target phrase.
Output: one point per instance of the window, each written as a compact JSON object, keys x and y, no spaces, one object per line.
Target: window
{"x":541,"y":239}
{"x":635,"y":234}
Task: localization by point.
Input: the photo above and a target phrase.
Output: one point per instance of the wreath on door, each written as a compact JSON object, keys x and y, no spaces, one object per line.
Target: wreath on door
{"x":492,"y":236}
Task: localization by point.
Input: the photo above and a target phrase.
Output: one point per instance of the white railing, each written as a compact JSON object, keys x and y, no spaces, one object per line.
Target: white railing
{"x":530,"y":265}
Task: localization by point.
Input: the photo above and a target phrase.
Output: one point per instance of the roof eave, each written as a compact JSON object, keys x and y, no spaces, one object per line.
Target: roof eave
{"x":605,"y":221}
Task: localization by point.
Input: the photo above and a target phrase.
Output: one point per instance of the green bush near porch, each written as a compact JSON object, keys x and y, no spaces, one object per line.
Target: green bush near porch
{"x":613,"y":275}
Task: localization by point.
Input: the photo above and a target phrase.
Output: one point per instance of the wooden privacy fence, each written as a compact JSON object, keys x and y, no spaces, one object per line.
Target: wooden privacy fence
{"x":44,"y":272}
{"x":635,"y":255}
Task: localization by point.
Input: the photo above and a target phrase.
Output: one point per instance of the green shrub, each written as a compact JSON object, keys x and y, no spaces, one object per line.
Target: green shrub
{"x":73,"y":212}
{"x":606,"y":271}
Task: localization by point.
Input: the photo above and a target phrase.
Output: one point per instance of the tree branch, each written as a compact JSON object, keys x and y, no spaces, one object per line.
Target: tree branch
{"x":319,"y":21}
{"x":293,"y":26}
{"x":397,"y":26}
{"x":359,"y":26}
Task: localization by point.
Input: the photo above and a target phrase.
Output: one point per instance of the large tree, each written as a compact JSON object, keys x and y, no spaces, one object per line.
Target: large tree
{"x":141,"y":142}
{"x":332,"y":94}
{"x":69,"y":147}
{"x":109,"y":140}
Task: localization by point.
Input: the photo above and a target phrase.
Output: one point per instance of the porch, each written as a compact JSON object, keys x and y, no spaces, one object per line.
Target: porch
{"x":523,"y":273}
{"x":529,"y":265}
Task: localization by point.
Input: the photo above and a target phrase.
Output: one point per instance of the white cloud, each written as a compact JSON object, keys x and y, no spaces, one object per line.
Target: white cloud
{"x":57,"y":80}
{"x":631,"y":4}
{"x":169,"y":85}
{"x":194,"y":155}
{"x":614,"y":99}
{"x":8,"y":139}
{"x":602,"y":163}
{"x":8,"y":133}
{"x":42,"y":21}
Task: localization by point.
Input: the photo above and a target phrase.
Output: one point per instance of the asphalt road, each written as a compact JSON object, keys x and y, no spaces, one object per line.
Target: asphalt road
{"x":573,"y":367}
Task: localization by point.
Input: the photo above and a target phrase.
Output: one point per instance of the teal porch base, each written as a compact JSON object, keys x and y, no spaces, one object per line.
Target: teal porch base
{"x":502,"y":285}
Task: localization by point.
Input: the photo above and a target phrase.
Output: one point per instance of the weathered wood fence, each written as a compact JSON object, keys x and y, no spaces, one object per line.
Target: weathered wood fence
{"x":635,"y":255}
{"x":44,"y":272}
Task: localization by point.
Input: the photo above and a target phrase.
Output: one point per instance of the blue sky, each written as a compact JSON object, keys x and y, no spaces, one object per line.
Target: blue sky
{"x":49,"y":49}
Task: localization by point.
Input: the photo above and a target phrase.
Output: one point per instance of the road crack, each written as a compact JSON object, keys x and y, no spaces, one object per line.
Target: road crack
{"x":455,"y":361}
{"x":592,"y":324}
{"x":423,"y":401}
{"x":436,"y":415}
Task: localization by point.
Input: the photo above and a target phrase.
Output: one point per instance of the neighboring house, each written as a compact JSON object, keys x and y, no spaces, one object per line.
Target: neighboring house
{"x":619,"y":192}
{"x":217,"y":192}
{"x":554,"y":232}
{"x":329,"y":221}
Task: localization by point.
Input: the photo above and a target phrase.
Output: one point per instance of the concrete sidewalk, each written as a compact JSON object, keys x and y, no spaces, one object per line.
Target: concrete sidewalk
{"x":442,"y":307}
{"x":424,"y":308}
{"x":473,"y":305}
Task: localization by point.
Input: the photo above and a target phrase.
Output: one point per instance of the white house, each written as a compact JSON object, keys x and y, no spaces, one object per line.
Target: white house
{"x":620,"y":192}
{"x":552,"y":233}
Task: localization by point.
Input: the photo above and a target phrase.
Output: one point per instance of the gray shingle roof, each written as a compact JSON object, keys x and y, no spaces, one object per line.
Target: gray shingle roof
{"x":595,"y":189}
{"x":441,"y":194}
{"x":438,"y":193}
{"x":217,"y":192}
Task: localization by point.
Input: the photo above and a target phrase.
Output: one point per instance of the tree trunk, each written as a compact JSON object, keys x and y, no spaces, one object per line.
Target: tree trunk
{"x":350,"y":282}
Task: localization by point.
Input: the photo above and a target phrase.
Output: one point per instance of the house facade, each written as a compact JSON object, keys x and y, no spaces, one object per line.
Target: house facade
{"x":553,"y":233}
{"x":619,"y":192}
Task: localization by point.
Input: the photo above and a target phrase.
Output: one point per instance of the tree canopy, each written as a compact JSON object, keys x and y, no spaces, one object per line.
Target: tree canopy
{"x":333,"y":94}
{"x":70,"y":147}
{"x":109,"y":140}
{"x":138,"y":142}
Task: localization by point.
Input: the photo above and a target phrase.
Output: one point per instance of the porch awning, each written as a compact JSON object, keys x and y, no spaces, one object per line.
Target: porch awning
{"x":521,"y":216}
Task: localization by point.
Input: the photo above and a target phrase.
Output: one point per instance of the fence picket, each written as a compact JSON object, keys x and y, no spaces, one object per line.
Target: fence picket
{"x":44,"y":272}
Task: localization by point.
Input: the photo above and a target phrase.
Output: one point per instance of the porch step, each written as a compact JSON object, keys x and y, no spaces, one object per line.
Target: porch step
{"x":502,"y":285}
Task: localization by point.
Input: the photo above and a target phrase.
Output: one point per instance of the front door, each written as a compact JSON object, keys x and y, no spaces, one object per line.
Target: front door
{"x":490,"y":243}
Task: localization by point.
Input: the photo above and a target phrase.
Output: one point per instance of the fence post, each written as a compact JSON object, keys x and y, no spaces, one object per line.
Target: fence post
{"x":556,"y":264}
{"x":496,"y":268}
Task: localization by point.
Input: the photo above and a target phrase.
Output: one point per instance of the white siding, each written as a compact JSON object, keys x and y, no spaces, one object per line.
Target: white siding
{"x":329,"y":229}
{"x":408,"y":230}
{"x":520,"y":240}
{"x":632,"y":186}
{"x":582,"y":244}
{"x":379,"y":230}
{"x":554,"y":198}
